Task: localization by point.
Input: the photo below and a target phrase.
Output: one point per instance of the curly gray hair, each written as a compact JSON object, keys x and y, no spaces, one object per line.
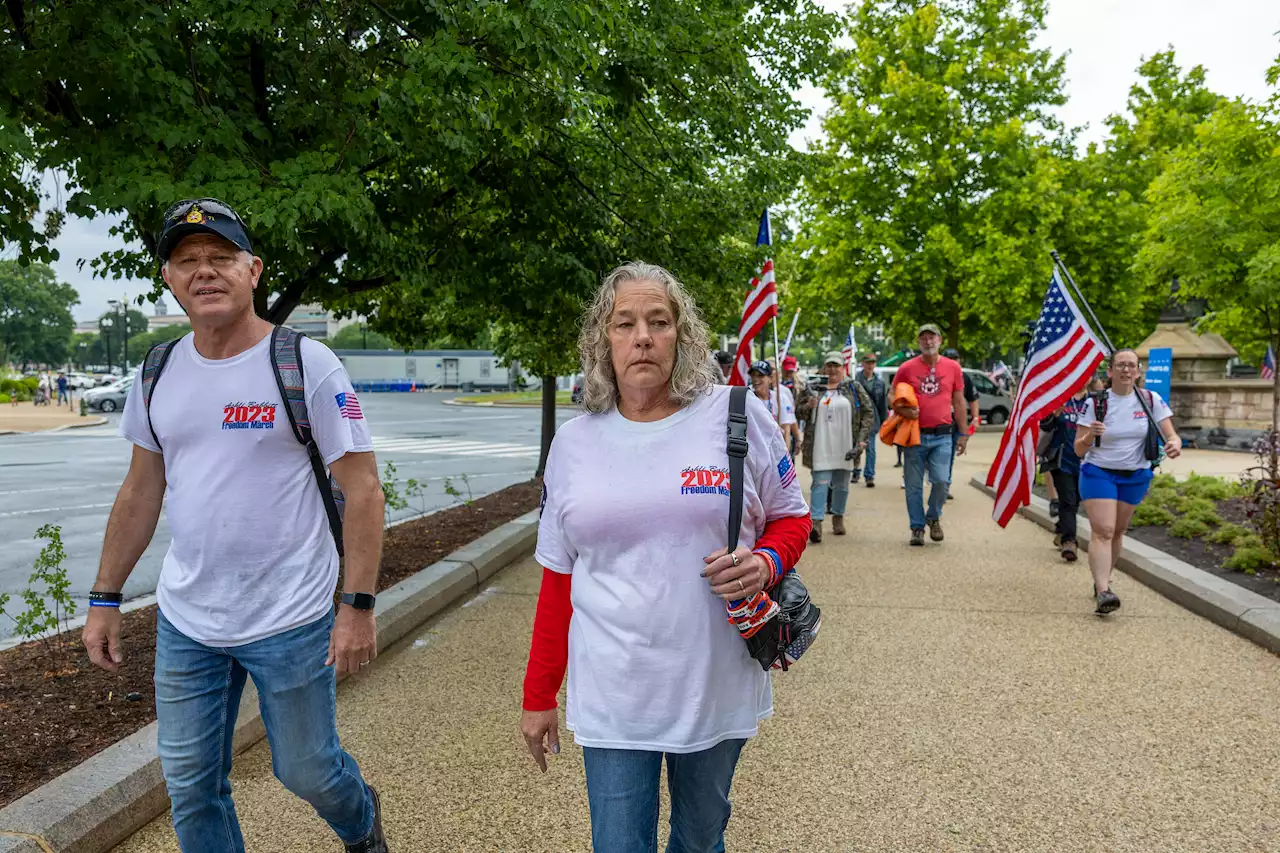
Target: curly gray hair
{"x":692,"y":373}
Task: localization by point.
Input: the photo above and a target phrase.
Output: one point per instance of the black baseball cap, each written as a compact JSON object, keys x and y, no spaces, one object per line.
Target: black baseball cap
{"x":761,"y":367}
{"x":200,"y":216}
{"x":723,"y":357}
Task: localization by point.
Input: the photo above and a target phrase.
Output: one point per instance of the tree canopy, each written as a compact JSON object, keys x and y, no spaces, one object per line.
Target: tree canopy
{"x":35,"y":314}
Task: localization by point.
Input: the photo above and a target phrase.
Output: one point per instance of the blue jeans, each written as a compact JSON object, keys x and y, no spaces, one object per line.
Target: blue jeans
{"x":934,"y":453}
{"x":838,"y":482}
{"x":622,"y":790}
{"x":869,"y":468}
{"x":197,"y":696}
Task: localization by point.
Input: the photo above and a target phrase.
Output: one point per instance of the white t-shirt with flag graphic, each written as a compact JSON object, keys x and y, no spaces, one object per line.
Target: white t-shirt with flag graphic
{"x":1122,"y":444}
{"x":252,"y":555}
{"x":630,"y":510}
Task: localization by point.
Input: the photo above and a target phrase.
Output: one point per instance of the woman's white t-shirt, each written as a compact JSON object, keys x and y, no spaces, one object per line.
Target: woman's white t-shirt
{"x":1126,"y":433}
{"x":833,"y":432}
{"x":630,"y":510}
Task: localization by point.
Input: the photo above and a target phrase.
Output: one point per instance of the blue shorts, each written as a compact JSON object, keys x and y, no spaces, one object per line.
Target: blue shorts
{"x":1098,"y":483}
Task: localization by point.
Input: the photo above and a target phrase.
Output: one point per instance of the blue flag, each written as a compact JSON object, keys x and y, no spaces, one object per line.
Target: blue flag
{"x":765,"y":236}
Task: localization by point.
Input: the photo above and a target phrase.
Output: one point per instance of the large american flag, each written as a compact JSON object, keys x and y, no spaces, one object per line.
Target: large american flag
{"x":1063,"y":356}
{"x":1269,"y":364}
{"x":760,"y":306}
{"x":847,"y":352}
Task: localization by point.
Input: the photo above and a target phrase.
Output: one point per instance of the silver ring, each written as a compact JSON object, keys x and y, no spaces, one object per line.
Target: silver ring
{"x":364,"y":663}
{"x":734,"y":557}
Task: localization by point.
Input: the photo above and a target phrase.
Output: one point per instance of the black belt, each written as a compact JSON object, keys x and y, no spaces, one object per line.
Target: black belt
{"x":941,"y":429}
{"x":1119,"y":472}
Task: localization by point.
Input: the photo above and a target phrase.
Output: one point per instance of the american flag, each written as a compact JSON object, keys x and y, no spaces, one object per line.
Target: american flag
{"x":349,"y":406}
{"x":1063,"y":356}
{"x":1269,"y":364}
{"x":761,"y":306}
{"x":847,"y":352}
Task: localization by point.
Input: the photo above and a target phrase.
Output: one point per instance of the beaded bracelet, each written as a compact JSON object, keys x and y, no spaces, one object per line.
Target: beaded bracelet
{"x":105,"y":599}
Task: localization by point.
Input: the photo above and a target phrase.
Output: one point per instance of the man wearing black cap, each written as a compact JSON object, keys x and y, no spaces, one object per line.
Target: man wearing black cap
{"x":939,"y":386}
{"x":247,"y":584}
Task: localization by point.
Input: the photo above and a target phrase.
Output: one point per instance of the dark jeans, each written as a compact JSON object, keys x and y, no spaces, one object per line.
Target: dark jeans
{"x":1068,"y":486}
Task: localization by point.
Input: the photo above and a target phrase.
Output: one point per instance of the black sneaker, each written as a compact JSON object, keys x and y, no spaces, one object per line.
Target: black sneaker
{"x":375,"y":841}
{"x":950,"y":496}
{"x":897,"y":465}
{"x":871,"y":484}
{"x":917,"y":537}
{"x":1053,"y":508}
{"x":815,"y":533}
{"x":855,"y":477}
{"x":1108,"y":602}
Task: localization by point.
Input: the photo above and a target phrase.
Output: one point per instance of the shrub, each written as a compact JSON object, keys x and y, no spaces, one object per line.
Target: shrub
{"x":1151,"y":514}
{"x":1260,"y":486}
{"x":1208,"y":488}
{"x":1249,"y":560}
{"x":1228,"y":534}
{"x":1163,"y":481}
{"x":1209,"y":517}
{"x":4,"y":398}
{"x":1188,"y":528}
{"x":1191,"y":504}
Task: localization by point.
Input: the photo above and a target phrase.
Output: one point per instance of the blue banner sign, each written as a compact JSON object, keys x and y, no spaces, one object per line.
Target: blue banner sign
{"x":1160,"y":371}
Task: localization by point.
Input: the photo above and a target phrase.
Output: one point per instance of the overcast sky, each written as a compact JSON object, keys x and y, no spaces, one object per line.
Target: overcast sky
{"x":1235,"y":40}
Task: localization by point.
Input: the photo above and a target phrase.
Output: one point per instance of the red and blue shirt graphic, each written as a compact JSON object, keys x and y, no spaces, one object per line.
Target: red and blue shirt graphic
{"x":249,"y":416}
{"x":786,"y":472}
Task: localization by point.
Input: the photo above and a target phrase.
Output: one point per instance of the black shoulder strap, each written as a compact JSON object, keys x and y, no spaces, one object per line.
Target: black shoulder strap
{"x":737,"y":449}
{"x":286,"y":364}
{"x":152,"y":366}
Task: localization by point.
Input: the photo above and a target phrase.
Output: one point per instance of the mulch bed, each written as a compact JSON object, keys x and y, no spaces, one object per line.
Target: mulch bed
{"x":1202,"y":554}
{"x":57,"y":709}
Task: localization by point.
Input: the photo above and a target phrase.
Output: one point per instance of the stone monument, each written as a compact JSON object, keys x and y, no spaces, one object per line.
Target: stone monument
{"x":1209,"y":408}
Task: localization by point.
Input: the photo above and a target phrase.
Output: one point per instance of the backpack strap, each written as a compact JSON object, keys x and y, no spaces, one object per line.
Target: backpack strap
{"x":286,"y":363}
{"x":737,"y":450}
{"x":152,"y":366}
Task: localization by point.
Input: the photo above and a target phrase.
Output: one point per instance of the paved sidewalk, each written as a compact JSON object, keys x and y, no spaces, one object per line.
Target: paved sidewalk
{"x":27,"y":417}
{"x":961,"y":697}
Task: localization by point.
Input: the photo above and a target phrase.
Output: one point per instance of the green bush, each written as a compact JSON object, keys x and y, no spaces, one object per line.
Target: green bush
{"x":1208,"y":488}
{"x":1228,"y":534}
{"x":1162,"y":481}
{"x":1249,"y":560}
{"x":4,"y":398}
{"x":1188,"y":528}
{"x":1249,"y":540}
{"x":1209,"y":517}
{"x":1191,"y":504}
{"x":1151,"y":514}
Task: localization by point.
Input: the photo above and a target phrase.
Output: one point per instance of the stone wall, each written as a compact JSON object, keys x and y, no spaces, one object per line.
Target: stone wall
{"x":1222,"y":412}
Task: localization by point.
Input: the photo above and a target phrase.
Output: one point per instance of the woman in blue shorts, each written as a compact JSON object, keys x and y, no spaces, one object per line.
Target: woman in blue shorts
{"x":1115,"y":473}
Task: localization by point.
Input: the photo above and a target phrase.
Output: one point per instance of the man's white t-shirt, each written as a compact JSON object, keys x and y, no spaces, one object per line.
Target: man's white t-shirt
{"x":630,"y":510}
{"x":788,"y":405}
{"x":1126,"y":431}
{"x":252,"y":555}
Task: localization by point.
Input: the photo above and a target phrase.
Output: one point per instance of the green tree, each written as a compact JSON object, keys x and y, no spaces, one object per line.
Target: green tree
{"x":936,"y":188}
{"x":1103,"y":194}
{"x":35,"y":314}
{"x":358,"y":336}
{"x":139,"y":344}
{"x":1215,"y":224}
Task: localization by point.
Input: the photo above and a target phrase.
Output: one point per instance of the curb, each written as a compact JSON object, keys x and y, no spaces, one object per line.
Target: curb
{"x":110,"y":796}
{"x":88,"y":422}
{"x":1233,"y":607}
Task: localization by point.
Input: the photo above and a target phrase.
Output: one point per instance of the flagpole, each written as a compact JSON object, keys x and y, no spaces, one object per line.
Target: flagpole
{"x":777,"y":371}
{"x":786,"y":347}
{"x":1106,"y":339}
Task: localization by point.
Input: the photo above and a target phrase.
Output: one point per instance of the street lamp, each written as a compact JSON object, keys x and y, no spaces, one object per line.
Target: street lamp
{"x":120,"y":307}
{"x":107,"y":324}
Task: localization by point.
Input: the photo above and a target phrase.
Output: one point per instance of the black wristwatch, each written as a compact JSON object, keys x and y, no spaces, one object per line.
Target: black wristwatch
{"x":358,"y":600}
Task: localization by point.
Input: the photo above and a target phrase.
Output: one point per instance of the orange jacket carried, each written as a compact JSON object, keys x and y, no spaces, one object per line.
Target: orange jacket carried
{"x":897,"y":429}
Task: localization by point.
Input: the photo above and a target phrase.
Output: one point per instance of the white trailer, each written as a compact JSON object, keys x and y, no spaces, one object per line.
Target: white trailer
{"x":479,"y":369}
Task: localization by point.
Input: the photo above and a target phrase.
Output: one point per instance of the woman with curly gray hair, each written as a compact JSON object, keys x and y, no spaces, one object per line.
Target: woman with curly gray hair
{"x":640,"y":601}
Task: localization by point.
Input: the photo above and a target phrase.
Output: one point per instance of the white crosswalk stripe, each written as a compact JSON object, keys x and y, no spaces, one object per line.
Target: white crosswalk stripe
{"x":452,"y":447}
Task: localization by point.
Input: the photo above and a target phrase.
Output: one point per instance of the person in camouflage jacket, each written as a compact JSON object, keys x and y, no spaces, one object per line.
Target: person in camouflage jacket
{"x":840,"y":454}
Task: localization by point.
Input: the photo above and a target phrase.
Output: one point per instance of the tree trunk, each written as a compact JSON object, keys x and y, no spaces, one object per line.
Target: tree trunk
{"x":548,"y":421}
{"x":260,"y":300}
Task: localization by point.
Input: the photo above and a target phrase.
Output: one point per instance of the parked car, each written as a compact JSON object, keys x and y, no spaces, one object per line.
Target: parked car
{"x":993,"y":404}
{"x":110,"y":398}
{"x":80,"y":381}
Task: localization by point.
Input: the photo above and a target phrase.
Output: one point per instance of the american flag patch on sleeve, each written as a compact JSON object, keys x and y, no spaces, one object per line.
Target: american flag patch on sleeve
{"x":786,"y":472}
{"x":349,"y":406}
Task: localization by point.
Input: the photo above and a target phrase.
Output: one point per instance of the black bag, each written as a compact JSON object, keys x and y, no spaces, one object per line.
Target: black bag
{"x":790,"y":632}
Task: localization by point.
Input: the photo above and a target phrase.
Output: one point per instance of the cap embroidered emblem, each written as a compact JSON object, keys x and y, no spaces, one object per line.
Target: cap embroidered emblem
{"x":196,"y":216}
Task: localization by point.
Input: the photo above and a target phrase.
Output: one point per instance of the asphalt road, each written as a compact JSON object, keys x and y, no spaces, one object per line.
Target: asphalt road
{"x":70,"y":478}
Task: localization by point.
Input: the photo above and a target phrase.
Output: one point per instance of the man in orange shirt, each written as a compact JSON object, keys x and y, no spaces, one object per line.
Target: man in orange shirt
{"x":939,"y":386}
